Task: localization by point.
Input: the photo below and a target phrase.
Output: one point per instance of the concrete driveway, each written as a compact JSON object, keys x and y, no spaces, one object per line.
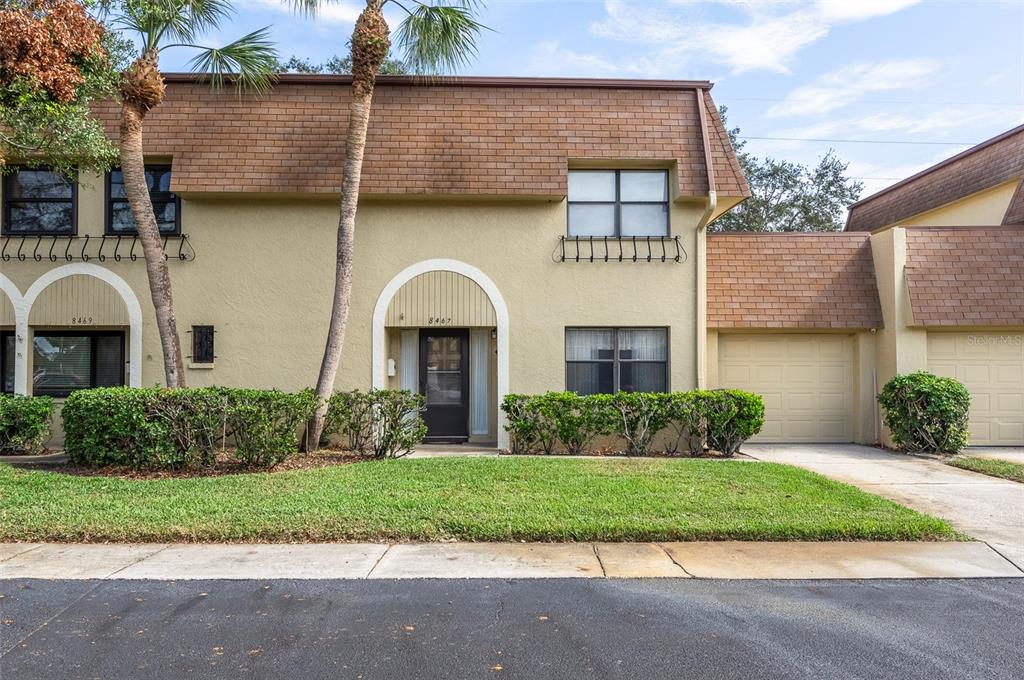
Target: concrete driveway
{"x":986,"y":508}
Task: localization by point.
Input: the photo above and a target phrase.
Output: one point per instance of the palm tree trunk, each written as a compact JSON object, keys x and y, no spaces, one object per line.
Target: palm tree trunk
{"x":133,"y":170}
{"x":355,"y":145}
{"x":370,"y":44}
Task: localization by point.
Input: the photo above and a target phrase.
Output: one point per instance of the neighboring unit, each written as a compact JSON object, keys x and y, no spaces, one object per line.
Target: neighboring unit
{"x":514,"y":235}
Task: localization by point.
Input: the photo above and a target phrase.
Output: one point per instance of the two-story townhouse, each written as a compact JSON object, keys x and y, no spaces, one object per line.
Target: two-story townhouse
{"x":513,"y":235}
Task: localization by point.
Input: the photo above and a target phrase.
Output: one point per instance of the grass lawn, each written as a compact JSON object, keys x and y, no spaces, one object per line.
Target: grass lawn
{"x":476,"y":499}
{"x":993,"y":468}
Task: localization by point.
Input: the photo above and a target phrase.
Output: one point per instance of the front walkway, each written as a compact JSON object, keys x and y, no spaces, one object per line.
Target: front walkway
{"x":722,"y":560}
{"x":453,"y":450}
{"x":986,"y":508}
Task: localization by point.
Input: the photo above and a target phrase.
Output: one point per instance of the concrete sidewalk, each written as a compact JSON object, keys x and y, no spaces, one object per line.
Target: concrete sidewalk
{"x":983,"y":507}
{"x":724,"y":560}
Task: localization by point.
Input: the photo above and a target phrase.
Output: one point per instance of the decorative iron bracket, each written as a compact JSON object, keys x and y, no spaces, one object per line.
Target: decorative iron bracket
{"x":624,"y":249}
{"x":52,"y":248}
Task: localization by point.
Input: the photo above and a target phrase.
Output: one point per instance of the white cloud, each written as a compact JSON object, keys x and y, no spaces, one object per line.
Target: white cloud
{"x":858,"y":10}
{"x":852,"y":82}
{"x":877,"y":176}
{"x":765,"y":36}
{"x":338,"y":12}
{"x":935,"y":122}
{"x":550,"y":58}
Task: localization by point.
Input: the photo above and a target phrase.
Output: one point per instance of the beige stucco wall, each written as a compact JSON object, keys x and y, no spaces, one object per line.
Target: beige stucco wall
{"x":263,"y":276}
{"x":984,"y":208}
{"x":899,"y":346}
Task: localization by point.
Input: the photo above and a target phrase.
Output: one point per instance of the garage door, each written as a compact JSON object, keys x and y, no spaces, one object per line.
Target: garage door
{"x":806,"y":381}
{"x":991,"y":366}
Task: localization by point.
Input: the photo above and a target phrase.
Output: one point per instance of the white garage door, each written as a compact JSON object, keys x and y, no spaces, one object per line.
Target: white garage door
{"x":806,"y":380}
{"x":991,"y":366}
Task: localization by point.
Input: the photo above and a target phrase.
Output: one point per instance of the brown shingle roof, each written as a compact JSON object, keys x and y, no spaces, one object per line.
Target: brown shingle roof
{"x":791,"y":281}
{"x":484,"y":136}
{"x":966,"y":277}
{"x":981,"y":167}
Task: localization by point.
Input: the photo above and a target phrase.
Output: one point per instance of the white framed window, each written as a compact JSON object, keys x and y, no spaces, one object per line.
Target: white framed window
{"x":618,"y":203}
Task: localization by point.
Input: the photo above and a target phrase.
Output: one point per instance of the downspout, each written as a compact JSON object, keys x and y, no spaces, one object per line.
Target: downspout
{"x":700,"y":254}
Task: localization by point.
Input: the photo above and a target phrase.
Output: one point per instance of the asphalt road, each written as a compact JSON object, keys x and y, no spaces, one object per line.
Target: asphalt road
{"x":534,"y":629}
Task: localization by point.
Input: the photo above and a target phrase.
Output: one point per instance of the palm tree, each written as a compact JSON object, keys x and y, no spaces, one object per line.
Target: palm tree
{"x":434,"y":37}
{"x":249,"y":62}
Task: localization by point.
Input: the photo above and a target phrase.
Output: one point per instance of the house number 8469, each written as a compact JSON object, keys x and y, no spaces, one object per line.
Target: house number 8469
{"x":81,"y":320}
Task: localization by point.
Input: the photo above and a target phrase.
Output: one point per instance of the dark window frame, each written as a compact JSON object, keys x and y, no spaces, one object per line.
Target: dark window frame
{"x":615,"y":360}
{"x":3,"y":366}
{"x":92,"y":356}
{"x":618,"y":203}
{"x":8,"y":179}
{"x":196,"y":358}
{"x":109,"y":201}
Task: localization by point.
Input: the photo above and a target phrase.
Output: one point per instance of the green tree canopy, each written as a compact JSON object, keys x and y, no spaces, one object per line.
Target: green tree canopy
{"x":789,"y":196}
{"x":337,"y":66}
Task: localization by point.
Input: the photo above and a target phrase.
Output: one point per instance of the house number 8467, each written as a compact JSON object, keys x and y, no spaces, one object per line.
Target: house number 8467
{"x":439,"y":321}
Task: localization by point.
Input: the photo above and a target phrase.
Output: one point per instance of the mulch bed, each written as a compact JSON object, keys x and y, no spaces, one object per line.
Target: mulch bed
{"x":226,"y":464}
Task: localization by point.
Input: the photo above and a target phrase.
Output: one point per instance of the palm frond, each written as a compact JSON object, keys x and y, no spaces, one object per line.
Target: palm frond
{"x":440,"y":38}
{"x":306,"y":8}
{"x":182,"y":21}
{"x":204,"y":15}
{"x":251,"y":61}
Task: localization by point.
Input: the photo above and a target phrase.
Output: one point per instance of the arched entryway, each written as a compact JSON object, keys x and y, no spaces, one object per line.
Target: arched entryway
{"x":445,"y":303}
{"x":103,"y":299}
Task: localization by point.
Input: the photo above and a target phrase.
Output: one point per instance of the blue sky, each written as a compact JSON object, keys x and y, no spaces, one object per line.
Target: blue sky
{"x":942,"y":72}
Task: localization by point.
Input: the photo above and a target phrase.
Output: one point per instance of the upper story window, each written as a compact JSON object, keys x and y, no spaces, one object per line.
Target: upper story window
{"x":618,"y":203}
{"x":166,"y":205}
{"x":37,"y":201}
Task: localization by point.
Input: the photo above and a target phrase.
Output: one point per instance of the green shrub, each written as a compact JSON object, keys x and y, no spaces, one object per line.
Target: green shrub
{"x":687,"y":424}
{"x":181,"y":428}
{"x":578,"y":420}
{"x":926,"y":413}
{"x":541,"y":422}
{"x":350,"y":415}
{"x":109,"y":426}
{"x":24,"y":423}
{"x":523,"y":423}
{"x":398,"y":426}
{"x":264,"y":424}
{"x":732,"y":416}
{"x":381,"y":423}
{"x":693,"y":421}
{"x":637,"y":417}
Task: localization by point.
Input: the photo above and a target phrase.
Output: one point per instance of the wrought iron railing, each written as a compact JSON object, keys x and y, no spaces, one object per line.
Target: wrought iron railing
{"x":625,"y":249}
{"x":62,"y":248}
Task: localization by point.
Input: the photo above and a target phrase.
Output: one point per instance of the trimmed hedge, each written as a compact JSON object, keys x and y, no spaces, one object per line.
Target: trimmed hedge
{"x":378,"y":423}
{"x":926,"y":413}
{"x":24,"y":423}
{"x":181,"y":428}
{"x":689,"y":422}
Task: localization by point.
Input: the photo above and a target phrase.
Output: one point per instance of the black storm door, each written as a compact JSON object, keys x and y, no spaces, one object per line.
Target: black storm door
{"x":444,"y":381}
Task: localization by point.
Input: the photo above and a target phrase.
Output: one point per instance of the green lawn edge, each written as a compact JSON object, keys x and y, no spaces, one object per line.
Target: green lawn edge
{"x":1004,"y":469}
{"x":469,"y":499}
